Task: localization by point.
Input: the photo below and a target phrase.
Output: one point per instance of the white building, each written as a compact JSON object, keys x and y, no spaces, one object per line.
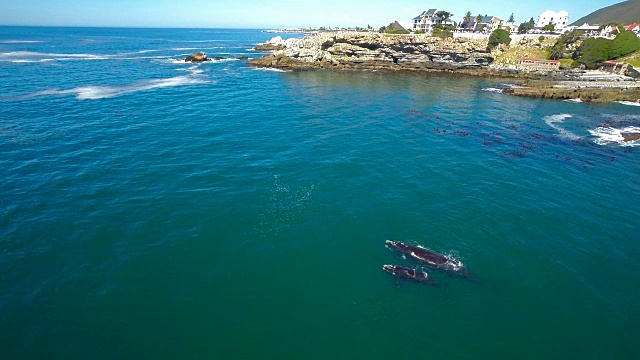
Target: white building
{"x":560,"y":19}
{"x":428,"y":19}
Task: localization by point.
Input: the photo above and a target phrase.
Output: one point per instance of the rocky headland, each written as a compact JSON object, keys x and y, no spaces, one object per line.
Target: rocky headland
{"x":423,"y":53}
{"x":372,"y":51}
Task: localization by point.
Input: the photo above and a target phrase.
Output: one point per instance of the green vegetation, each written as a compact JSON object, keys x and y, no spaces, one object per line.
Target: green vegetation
{"x":397,"y":32}
{"x":419,"y":32}
{"x":559,"y":49}
{"x":593,"y":52}
{"x":549,"y":27}
{"x":526,"y":26}
{"x":497,"y":37}
{"x":444,"y":15}
{"x":442,"y":31}
{"x":511,"y":19}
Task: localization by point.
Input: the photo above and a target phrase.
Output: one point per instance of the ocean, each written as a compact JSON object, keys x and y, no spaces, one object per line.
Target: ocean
{"x":155,"y":209}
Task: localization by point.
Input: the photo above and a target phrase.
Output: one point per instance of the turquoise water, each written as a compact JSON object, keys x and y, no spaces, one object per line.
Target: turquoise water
{"x":155,"y":209}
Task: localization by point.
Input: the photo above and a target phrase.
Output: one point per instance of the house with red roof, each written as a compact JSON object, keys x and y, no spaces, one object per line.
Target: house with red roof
{"x":634,"y":27}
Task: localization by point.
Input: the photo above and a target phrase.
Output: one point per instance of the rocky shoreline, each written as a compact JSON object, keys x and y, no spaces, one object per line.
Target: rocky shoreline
{"x":422,"y":53}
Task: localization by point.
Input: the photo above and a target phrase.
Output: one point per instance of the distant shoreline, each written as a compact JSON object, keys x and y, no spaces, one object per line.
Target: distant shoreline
{"x":424,"y":54}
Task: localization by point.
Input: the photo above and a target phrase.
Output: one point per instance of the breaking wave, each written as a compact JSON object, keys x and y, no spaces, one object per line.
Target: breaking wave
{"x":106,"y":92}
{"x":552,"y":120}
{"x":20,"y":42}
{"x":34,"y":57}
{"x":30,"y":56}
{"x":630,"y":103}
{"x":270,"y":69}
{"x":576,"y":100}
{"x":493,"y":90}
{"x":612,"y":136}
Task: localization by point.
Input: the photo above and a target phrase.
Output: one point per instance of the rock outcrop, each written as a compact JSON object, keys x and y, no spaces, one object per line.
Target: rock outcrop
{"x":614,"y":92}
{"x":197,"y":57}
{"x":372,"y":51}
{"x":630,"y":136}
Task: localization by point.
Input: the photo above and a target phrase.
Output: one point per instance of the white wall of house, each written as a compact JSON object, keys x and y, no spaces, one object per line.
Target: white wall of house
{"x":559,"y":19}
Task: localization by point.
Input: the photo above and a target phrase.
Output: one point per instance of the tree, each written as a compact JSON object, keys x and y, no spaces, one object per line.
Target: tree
{"x":625,"y":43}
{"x":497,"y":37}
{"x":444,"y":16}
{"x":467,"y":17}
{"x":511,"y":19}
{"x":525,"y":27}
{"x":549,"y":27}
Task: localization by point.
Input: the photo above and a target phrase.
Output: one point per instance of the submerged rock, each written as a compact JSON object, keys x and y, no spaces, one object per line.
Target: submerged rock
{"x":197,"y":57}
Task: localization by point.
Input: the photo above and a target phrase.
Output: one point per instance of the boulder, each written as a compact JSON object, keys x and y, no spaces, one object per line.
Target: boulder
{"x":630,"y":136}
{"x":197,"y":57}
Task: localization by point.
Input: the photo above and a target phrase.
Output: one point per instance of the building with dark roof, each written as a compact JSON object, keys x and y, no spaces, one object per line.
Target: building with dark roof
{"x":430,"y":18}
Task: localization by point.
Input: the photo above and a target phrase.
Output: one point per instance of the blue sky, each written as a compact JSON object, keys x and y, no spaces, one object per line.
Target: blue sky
{"x":265,"y":14}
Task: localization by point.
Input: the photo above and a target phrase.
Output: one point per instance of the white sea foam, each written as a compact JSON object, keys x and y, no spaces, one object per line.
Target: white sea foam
{"x":511,"y":86}
{"x":270,"y":69}
{"x":613,"y":136}
{"x":576,"y":100}
{"x":105,"y":92}
{"x":32,"y":61}
{"x":493,"y":90}
{"x":552,"y":120}
{"x":630,"y":103}
{"x":19,"y":42}
{"x":35,"y":56}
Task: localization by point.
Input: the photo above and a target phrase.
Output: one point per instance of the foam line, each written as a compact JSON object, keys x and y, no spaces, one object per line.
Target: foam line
{"x":553,"y":119}
{"x":106,"y":92}
{"x":630,"y":103}
{"x":493,"y":90}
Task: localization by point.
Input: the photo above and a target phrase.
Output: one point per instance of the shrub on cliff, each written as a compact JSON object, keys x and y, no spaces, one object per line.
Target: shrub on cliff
{"x":498,"y":36}
{"x":626,"y":42}
{"x":593,"y":52}
{"x":442,"y":32}
{"x":559,"y":49}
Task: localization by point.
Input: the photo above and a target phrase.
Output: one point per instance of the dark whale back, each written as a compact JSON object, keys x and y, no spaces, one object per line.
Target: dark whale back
{"x":407,"y":273}
{"x":426,"y":254}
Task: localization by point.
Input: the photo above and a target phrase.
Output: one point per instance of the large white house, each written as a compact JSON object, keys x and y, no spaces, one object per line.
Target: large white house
{"x":559,"y":19}
{"x":428,"y":19}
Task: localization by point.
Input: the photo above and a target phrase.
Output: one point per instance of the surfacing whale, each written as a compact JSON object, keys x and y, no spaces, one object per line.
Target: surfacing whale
{"x":406,"y":273}
{"x":429,"y":257}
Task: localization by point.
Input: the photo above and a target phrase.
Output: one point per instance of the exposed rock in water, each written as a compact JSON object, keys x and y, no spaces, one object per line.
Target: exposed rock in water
{"x":585,"y":94}
{"x":197,"y":57}
{"x":630,"y":136}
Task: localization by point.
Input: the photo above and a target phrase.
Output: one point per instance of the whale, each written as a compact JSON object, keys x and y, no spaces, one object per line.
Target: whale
{"x":429,"y":257}
{"x":410,"y":274}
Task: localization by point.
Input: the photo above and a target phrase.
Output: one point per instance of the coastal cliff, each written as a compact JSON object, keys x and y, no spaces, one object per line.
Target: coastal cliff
{"x":373,"y":51}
